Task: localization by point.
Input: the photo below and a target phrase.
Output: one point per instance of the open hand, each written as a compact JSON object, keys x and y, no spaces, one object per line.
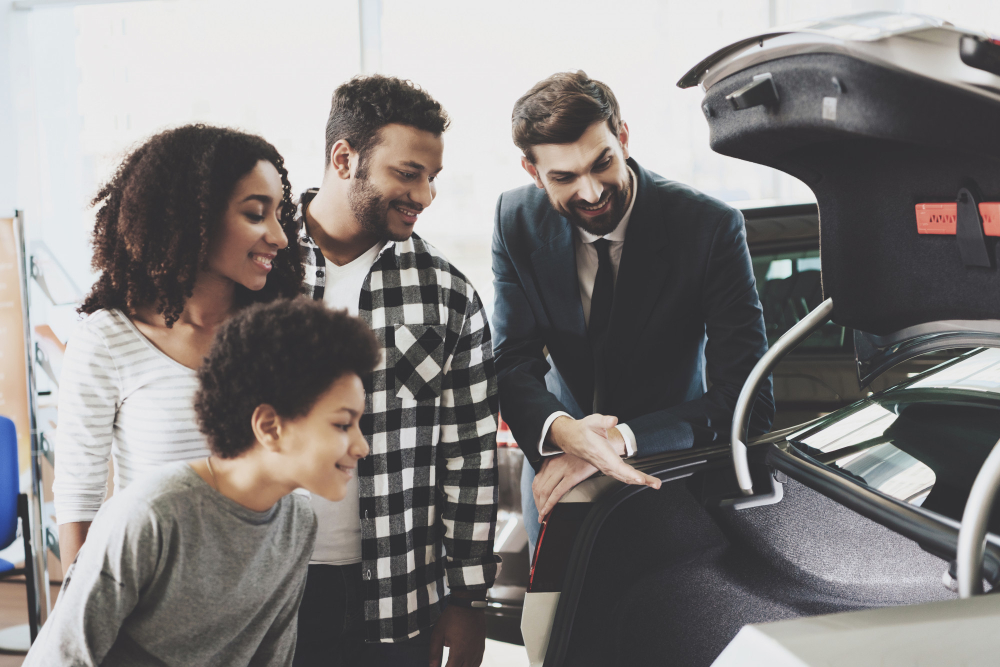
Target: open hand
{"x":587,"y":439}
{"x":559,"y":474}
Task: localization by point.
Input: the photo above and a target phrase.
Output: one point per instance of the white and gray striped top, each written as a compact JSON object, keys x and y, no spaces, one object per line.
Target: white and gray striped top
{"x":119,"y":397}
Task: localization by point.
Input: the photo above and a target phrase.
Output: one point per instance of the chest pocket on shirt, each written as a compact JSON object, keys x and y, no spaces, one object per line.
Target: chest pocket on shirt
{"x":417,"y":358}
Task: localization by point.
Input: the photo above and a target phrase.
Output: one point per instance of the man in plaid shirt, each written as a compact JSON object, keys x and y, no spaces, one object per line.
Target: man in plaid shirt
{"x":376,"y":589}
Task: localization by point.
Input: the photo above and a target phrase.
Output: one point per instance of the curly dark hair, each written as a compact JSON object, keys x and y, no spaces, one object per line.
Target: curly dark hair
{"x":285,"y":354}
{"x":158,"y":213}
{"x":365,"y":104}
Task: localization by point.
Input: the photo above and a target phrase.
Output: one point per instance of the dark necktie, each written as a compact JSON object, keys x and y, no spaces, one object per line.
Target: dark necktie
{"x":600,"y":318}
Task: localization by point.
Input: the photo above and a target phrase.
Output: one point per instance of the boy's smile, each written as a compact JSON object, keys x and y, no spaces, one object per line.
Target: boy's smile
{"x":324,"y":445}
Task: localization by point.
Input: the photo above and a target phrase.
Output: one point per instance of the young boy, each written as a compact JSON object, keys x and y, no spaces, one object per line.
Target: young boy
{"x":204,"y":563}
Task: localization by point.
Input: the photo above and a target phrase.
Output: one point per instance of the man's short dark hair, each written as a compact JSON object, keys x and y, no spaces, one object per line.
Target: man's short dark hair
{"x":559,"y":109}
{"x":285,"y":354}
{"x":365,"y":104}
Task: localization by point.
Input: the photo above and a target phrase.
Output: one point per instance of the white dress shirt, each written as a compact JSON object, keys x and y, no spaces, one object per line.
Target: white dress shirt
{"x":586,"y":272}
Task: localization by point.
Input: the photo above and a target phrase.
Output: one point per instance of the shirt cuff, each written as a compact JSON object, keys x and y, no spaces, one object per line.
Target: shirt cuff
{"x":549,"y":450}
{"x":630,"y":447}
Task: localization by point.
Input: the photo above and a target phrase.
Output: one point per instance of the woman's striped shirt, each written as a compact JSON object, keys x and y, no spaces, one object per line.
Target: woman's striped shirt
{"x":121,"y":398}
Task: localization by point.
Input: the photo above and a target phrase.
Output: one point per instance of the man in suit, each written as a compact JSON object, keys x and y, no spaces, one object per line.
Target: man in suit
{"x":637,"y":288}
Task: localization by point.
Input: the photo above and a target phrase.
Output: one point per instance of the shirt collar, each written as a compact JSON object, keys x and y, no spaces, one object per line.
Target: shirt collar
{"x":618,"y":235}
{"x":396,"y":250}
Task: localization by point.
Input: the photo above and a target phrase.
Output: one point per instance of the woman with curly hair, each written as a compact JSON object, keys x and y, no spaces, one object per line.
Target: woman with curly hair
{"x":196,"y":223}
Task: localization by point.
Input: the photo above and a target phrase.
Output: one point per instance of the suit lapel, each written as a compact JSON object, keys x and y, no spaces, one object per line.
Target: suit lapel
{"x":554,"y":262}
{"x":641,"y":274}
{"x":555,"y":265}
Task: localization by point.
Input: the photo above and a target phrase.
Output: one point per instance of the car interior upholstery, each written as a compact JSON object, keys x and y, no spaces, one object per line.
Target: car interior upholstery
{"x":900,"y":139}
{"x":671,"y":581}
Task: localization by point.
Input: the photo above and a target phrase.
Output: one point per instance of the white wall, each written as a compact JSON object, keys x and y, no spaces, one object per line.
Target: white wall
{"x":8,"y":133}
{"x":50,"y":188}
{"x":39,"y":128}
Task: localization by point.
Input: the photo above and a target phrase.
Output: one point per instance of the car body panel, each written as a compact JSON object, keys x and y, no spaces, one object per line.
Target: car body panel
{"x":919,"y":44}
{"x":951,"y":632}
{"x":536,"y":624}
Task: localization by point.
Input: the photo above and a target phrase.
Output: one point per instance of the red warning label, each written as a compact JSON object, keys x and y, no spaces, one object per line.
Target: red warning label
{"x":943,"y":218}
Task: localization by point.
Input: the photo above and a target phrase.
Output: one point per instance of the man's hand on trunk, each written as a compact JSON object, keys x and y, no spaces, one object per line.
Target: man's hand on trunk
{"x":587,"y":449}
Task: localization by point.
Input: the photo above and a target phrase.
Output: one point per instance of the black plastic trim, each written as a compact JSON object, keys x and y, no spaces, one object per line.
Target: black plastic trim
{"x":576,"y":570}
{"x":969,"y":229}
{"x":782,"y":211}
{"x":558,"y":537}
{"x":980,"y":53}
{"x":759,"y":92}
{"x":758,"y":248}
{"x":694,"y":75}
{"x":935,"y":533}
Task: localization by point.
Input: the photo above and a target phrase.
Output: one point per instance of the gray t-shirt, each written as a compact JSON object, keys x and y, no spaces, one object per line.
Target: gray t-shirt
{"x":174,"y":573}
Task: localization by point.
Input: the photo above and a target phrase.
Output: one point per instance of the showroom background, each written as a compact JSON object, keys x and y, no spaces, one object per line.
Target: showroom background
{"x":81,"y":82}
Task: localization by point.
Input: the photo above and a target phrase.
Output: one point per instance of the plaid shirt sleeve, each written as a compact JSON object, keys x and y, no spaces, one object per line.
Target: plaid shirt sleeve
{"x":467,"y":459}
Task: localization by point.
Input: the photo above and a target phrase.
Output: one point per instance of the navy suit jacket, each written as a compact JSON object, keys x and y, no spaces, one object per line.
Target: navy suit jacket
{"x":685,"y":303}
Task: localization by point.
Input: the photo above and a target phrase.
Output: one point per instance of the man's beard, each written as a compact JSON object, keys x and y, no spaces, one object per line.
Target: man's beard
{"x":371,"y":209}
{"x":606,"y":222}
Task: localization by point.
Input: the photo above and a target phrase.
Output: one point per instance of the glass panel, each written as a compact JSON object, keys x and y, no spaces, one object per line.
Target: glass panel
{"x":790,"y":286}
{"x":979,"y":373}
{"x":779,"y":269}
{"x":892,"y":471}
{"x":807,"y":263}
{"x":859,"y":426}
{"x":922,"y":442}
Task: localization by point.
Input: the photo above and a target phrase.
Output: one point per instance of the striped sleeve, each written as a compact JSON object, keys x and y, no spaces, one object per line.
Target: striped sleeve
{"x":89,"y":396}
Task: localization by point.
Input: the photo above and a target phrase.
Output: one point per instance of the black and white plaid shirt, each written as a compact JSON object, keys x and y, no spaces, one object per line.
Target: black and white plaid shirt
{"x":430,"y":420}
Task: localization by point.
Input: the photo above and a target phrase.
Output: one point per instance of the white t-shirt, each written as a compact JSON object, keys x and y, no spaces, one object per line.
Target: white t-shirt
{"x":338,"y":539}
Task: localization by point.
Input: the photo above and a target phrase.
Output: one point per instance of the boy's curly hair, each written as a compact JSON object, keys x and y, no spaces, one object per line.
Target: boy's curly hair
{"x":158,"y":213}
{"x":285,"y":354}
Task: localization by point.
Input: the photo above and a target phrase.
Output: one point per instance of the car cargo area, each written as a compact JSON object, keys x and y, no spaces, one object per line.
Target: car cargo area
{"x":671,"y":581}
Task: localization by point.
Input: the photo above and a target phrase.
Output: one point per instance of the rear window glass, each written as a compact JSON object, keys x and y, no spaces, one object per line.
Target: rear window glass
{"x":789,"y":286}
{"x":922,"y":442}
{"x":980,"y":372}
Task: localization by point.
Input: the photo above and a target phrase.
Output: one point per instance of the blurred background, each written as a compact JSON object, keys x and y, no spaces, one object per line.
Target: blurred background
{"x":81,"y":82}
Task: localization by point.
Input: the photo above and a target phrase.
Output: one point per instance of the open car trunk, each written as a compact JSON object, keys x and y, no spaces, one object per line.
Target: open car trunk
{"x":880,"y":125}
{"x":892,"y":122}
{"x":671,"y":582}
{"x":865,"y":516}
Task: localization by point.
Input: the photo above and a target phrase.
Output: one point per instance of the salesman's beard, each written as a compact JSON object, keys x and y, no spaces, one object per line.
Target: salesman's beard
{"x":605,"y":223}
